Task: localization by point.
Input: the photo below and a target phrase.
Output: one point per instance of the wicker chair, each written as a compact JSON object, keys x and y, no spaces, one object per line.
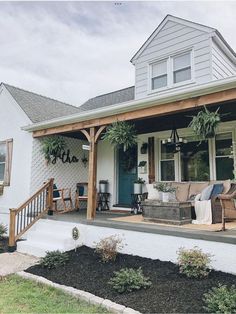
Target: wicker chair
{"x":228,"y":205}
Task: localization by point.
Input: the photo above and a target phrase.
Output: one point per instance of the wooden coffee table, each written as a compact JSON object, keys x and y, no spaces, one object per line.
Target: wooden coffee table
{"x":173,"y":213}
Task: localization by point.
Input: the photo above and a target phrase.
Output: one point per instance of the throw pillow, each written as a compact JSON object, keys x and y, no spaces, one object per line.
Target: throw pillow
{"x":153,"y":194}
{"x":206,"y":193}
{"x":217,"y":189}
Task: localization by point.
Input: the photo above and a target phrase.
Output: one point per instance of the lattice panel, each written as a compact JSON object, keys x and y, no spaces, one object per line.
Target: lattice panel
{"x":66,"y":175}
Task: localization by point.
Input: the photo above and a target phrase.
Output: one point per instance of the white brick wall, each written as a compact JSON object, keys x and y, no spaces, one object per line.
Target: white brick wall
{"x":65,"y":175}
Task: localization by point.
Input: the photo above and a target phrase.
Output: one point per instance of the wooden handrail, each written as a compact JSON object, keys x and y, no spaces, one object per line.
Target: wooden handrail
{"x":23,"y":217}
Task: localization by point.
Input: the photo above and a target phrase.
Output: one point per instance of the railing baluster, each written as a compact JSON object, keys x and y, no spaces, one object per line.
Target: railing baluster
{"x":27,"y":214}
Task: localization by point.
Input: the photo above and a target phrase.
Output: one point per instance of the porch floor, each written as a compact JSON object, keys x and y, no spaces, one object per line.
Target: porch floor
{"x":127,"y":221}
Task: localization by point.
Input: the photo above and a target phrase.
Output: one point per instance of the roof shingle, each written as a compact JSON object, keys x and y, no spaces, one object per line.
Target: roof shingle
{"x":40,"y":108}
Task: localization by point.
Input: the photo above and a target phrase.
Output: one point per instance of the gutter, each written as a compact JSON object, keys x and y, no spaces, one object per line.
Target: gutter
{"x":170,"y":96}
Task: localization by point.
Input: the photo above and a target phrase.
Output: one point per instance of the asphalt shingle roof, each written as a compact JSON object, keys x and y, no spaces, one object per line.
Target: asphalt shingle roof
{"x":40,"y":108}
{"x":112,"y":98}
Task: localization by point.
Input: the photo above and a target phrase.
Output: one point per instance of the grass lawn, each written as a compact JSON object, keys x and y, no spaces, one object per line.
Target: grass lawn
{"x":18,"y":295}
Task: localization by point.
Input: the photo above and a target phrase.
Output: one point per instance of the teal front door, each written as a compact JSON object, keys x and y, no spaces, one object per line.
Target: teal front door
{"x":127,"y":175}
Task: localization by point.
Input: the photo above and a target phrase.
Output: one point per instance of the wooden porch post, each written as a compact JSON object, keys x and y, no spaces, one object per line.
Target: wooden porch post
{"x":151,"y":160}
{"x":92,"y":137}
{"x":12,"y":229}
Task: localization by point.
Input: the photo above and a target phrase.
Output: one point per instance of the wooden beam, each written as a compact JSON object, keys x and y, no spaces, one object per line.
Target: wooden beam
{"x":155,"y":110}
{"x":86,"y":134}
{"x":92,"y":176}
{"x":99,"y":131}
{"x":151,"y":160}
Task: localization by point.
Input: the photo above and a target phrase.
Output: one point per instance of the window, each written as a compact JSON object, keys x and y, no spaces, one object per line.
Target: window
{"x":167,"y":163}
{"x":195,"y":161}
{"x":2,"y":160}
{"x":173,"y":70}
{"x":182,"y":68}
{"x":5,"y":161}
{"x":159,"y":75}
{"x":224,"y":156}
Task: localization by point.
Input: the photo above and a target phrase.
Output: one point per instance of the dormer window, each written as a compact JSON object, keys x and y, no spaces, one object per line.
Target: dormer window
{"x":172,"y":71}
{"x":182,"y":68}
{"x":159,"y":75}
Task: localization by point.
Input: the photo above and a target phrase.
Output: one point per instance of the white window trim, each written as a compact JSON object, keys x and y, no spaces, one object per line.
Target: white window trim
{"x":170,"y":71}
{"x":5,"y":143}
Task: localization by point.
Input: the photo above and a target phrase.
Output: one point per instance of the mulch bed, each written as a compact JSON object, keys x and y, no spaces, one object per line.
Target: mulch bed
{"x":170,"y":292}
{"x":3,"y":245}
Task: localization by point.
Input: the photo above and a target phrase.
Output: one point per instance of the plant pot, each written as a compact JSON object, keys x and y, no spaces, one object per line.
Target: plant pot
{"x":103,"y":187}
{"x":138,"y":188}
{"x":165,"y":197}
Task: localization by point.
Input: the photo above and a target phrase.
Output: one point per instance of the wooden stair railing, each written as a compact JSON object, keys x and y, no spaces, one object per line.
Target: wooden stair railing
{"x":22,"y":218}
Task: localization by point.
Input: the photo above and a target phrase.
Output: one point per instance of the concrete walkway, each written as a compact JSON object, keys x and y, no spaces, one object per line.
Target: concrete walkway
{"x":13,"y":262}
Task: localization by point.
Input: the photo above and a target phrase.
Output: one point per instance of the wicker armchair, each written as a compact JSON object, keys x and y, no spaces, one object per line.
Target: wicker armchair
{"x":228,"y":205}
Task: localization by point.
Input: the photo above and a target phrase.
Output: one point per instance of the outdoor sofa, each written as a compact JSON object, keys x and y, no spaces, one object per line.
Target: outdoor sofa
{"x":190,"y":192}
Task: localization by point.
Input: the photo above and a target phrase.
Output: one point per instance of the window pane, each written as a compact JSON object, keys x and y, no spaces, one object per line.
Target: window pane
{"x":2,"y":152}
{"x":224,"y":168}
{"x":195,"y":161}
{"x":182,"y":61}
{"x":159,"y":82}
{"x":168,"y":170}
{"x":166,"y":152}
{"x":159,"y":69}
{"x":2,"y":169}
{"x":182,"y":75}
{"x":224,"y":144}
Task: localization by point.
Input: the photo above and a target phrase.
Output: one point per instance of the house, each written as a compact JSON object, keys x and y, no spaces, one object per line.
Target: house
{"x":180,"y":68}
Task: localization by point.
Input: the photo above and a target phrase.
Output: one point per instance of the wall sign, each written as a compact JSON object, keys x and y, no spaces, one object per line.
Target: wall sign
{"x":65,"y":157}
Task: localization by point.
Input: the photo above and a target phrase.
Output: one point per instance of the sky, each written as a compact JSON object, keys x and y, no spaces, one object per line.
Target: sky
{"x":72,"y":51}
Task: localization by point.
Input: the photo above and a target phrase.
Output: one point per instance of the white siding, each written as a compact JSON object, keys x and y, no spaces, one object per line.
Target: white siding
{"x":172,"y":38}
{"x":222,"y":66}
{"x":12,"y":119}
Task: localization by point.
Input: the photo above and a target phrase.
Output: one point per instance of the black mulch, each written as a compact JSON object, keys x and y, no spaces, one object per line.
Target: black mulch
{"x":3,"y":245}
{"x":170,"y":292}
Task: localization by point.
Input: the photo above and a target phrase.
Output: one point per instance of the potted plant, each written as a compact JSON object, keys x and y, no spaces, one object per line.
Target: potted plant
{"x":121,"y":133}
{"x":103,"y":186}
{"x":52,"y":147}
{"x":138,"y":184}
{"x":204,"y":124}
{"x":165,"y":189}
{"x":144,"y":148}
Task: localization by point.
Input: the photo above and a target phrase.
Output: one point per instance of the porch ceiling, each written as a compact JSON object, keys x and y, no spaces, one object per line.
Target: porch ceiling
{"x":168,"y":120}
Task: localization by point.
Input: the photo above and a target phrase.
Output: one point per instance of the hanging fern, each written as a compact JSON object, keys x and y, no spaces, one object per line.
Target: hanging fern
{"x":121,"y":133}
{"x":204,"y":124}
{"x":52,"y":147}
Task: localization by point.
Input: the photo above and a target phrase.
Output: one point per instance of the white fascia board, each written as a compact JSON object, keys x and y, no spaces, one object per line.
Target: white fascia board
{"x":132,"y":105}
{"x":225,"y":47}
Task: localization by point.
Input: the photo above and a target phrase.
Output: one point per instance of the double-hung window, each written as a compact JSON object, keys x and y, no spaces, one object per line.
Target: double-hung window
{"x":182,"y":68}
{"x":159,"y":75}
{"x":5,"y":161}
{"x":2,"y":160}
{"x":171,"y":72}
{"x":224,"y":156}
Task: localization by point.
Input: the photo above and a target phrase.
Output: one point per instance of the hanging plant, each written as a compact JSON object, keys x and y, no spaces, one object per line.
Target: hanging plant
{"x":53,"y":147}
{"x":121,"y":133}
{"x":204,"y":124}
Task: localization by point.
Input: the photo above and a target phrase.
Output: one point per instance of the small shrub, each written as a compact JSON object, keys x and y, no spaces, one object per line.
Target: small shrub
{"x":221,"y":299}
{"x":109,"y":247}
{"x":194,"y":263}
{"x":129,"y":279}
{"x":54,"y":259}
{"x":3,"y":230}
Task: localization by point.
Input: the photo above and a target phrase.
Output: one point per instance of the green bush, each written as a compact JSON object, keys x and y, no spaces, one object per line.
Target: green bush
{"x":54,"y":259}
{"x":3,"y":230}
{"x":129,"y":279}
{"x":194,"y":263}
{"x":108,"y":247}
{"x":221,"y":299}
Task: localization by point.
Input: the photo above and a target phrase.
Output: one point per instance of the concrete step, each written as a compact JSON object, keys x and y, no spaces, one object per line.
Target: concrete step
{"x":35,"y":248}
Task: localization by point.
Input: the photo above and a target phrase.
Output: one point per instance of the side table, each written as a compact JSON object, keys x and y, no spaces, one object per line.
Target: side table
{"x":103,"y":201}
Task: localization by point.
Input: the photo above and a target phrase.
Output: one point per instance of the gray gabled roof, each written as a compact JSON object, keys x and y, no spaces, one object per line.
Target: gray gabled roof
{"x":40,"y":108}
{"x":112,"y":98}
